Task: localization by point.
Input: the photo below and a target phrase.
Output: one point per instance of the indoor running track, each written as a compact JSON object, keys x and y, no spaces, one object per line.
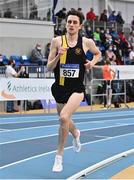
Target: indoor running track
{"x":28,"y":145}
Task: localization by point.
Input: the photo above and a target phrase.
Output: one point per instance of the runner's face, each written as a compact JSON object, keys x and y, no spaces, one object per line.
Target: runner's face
{"x":73,"y":24}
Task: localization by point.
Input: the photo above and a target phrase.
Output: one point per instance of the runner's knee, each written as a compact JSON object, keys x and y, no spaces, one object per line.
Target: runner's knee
{"x":64,"y":117}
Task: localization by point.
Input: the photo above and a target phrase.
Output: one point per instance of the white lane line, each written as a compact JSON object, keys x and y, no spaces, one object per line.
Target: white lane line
{"x":28,"y":139}
{"x":45,"y":120}
{"x":101,"y":164}
{"x":34,"y":121}
{"x":3,"y":129}
{"x":27,"y":117}
{"x":75,"y":116}
{"x":102,"y":136}
{"x":122,"y":124}
{"x":27,"y":128}
{"x":92,"y":122}
{"x":38,"y":137}
{"x":44,"y":154}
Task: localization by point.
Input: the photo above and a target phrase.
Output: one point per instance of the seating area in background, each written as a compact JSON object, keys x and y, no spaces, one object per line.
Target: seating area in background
{"x":19,"y":60}
{"x":5,"y":59}
{"x":32,"y":69}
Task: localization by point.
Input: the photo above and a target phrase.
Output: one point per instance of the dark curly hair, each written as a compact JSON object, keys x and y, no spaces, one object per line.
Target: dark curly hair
{"x":75,"y":13}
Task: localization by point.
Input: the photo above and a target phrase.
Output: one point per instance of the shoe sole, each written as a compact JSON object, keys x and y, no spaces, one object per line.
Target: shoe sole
{"x":74,"y":143}
{"x":54,"y":170}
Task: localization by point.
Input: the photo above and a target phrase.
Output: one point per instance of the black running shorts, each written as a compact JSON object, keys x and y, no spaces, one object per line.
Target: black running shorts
{"x":62,"y":94}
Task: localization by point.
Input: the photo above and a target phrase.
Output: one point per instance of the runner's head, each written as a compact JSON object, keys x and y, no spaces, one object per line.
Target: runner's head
{"x":74,"y":21}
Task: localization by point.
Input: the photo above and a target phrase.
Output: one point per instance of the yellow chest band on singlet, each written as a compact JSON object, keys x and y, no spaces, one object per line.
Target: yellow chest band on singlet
{"x":63,"y":59}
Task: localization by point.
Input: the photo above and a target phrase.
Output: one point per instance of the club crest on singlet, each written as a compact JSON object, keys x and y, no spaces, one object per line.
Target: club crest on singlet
{"x":78,"y":51}
{"x":69,"y":70}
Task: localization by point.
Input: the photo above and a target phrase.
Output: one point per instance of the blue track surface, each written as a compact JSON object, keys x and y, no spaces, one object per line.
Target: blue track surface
{"x":28,"y":144}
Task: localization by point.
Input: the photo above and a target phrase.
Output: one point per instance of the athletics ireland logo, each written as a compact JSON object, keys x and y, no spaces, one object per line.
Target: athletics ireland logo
{"x":5,"y":94}
{"x":9,"y":85}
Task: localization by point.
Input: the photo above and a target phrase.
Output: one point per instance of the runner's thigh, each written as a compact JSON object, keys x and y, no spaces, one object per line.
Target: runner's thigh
{"x":73,"y":103}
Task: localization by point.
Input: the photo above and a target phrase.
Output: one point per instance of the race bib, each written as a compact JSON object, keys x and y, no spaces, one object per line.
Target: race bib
{"x":69,"y":70}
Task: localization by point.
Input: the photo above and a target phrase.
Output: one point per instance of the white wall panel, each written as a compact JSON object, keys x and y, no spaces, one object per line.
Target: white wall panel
{"x":19,"y":37}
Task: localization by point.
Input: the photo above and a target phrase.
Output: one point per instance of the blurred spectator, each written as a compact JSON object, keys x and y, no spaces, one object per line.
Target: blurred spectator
{"x":10,"y":73}
{"x":47,"y":50}
{"x":91,"y":16}
{"x":131,"y":38}
{"x":118,"y":55}
{"x":82,"y":31}
{"x":97,"y":36}
{"x":125,"y":46}
{"x":126,"y":56}
{"x":80,"y":10}
{"x":110,"y":56}
{"x":132,"y":24}
{"x":107,"y":31}
{"x":48,"y":15}
{"x":62,"y":26}
{"x":103,"y":42}
{"x":8,"y":13}
{"x":0,"y":14}
{"x":103,"y":16}
{"x":34,"y":12}
{"x":108,"y":75}
{"x":22,"y":73}
{"x":114,"y":34}
{"x":109,"y":39}
{"x":131,"y":55}
{"x":117,"y":43}
{"x":1,"y":60}
{"x":102,"y":36}
{"x":37,"y":56}
{"x":60,"y":15}
{"x":119,"y":18}
{"x":89,"y":32}
{"x":122,"y":37}
{"x":112,"y":17}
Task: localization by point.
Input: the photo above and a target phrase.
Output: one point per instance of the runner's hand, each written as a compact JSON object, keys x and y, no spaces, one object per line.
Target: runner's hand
{"x":88,"y":64}
{"x":62,"y":50}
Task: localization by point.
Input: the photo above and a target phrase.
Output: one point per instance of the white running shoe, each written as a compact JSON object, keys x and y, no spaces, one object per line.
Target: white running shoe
{"x":57,"y":164}
{"x":76,"y":142}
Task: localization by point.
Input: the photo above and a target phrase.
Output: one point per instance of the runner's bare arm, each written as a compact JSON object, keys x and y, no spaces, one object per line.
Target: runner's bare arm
{"x":113,"y":73}
{"x":55,"y":52}
{"x":90,"y":45}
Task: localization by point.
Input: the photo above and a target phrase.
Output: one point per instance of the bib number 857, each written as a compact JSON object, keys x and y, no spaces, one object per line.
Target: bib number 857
{"x":69,"y":73}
